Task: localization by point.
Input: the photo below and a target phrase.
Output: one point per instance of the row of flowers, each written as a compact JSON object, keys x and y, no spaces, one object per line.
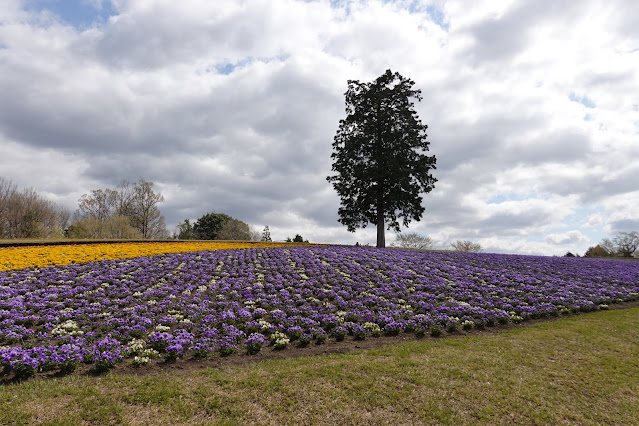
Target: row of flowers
{"x":12,"y":258}
{"x":224,"y":301}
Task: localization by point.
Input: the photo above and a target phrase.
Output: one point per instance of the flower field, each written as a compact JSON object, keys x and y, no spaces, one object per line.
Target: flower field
{"x":41,"y":256}
{"x":209,"y":303}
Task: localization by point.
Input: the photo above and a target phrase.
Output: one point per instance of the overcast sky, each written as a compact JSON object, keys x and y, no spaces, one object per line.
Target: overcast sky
{"x":232,"y":105}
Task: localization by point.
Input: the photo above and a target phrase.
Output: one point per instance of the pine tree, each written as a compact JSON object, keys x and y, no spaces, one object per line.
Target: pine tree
{"x":266,"y":234}
{"x":379,"y":156}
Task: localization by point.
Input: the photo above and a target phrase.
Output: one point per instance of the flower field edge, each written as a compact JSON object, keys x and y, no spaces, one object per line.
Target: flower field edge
{"x":40,"y":256}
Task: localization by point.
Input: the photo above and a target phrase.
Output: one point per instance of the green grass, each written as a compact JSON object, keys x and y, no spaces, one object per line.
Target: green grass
{"x":581,"y":370}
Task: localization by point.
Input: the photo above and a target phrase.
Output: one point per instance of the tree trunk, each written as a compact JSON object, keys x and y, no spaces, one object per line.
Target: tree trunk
{"x":381,"y":237}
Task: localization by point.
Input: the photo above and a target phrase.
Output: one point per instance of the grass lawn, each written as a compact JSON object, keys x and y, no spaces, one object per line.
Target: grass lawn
{"x":582,"y":369}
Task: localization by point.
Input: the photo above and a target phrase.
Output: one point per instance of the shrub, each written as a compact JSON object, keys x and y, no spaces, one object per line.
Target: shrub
{"x":339,"y":333}
{"x":254,"y":343}
{"x":435,"y":331}
{"x":304,"y":340}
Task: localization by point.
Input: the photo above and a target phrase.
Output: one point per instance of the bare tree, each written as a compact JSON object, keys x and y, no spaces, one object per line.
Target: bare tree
{"x":100,"y":204}
{"x":608,"y":246}
{"x":137,"y":203}
{"x":29,"y":215}
{"x":412,"y":240}
{"x":255,"y":234}
{"x":466,"y":245}
{"x":124,"y":202}
{"x":7,"y":192}
{"x":63,"y":216}
{"x":145,"y":215}
{"x":627,"y":243}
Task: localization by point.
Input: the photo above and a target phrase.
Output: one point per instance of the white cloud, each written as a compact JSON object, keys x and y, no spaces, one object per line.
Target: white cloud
{"x":593,"y":220}
{"x":570,"y":237}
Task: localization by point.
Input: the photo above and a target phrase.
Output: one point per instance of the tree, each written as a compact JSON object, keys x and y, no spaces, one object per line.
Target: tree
{"x":597,"y":251}
{"x":234,"y":229}
{"x":466,"y":245}
{"x":208,"y":226}
{"x":298,"y":239}
{"x":113,"y":227}
{"x":184,"y":231}
{"x":379,"y":156}
{"x":627,"y":243}
{"x":143,"y":212}
{"x":8,"y":190}
{"x":266,"y":234}
{"x":100,"y":204}
{"x":26,"y":214}
{"x":609,"y":246}
{"x":412,"y":240}
{"x":137,"y":202}
{"x":255,"y":234}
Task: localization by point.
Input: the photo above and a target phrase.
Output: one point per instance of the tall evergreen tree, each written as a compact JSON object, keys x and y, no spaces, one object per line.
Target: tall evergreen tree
{"x":379,"y":156}
{"x":266,"y":234}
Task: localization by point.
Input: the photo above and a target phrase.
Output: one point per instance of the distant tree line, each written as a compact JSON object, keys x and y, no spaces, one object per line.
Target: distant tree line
{"x":129,"y":211}
{"x":623,"y":244}
{"x":219,"y":226}
{"x":27,"y":214}
{"x":414,"y":240}
{"x":298,"y":239}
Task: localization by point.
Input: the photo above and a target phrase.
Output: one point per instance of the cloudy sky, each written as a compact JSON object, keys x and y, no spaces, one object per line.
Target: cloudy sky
{"x":232,"y":105}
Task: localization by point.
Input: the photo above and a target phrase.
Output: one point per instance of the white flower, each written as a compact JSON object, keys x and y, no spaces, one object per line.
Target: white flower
{"x":140,"y":360}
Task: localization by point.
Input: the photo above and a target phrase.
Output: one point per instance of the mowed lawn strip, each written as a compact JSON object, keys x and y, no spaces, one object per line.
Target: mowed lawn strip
{"x":575,"y":370}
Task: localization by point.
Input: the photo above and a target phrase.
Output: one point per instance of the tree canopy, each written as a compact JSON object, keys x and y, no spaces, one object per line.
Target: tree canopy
{"x":379,"y":155}
{"x":235,"y":229}
{"x":209,"y":226}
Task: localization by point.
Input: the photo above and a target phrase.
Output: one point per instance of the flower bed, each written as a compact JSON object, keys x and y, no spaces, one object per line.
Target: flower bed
{"x":225,"y":301}
{"x":41,"y":256}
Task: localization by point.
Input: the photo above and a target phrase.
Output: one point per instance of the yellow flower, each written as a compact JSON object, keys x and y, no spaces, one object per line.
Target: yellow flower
{"x":12,"y":258}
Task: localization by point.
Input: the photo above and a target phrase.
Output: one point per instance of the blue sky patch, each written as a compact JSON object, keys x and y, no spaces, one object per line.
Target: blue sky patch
{"x":588,"y":103}
{"x":227,"y":68}
{"x":437,"y":16}
{"x":511,"y":196}
{"x":81,"y":14}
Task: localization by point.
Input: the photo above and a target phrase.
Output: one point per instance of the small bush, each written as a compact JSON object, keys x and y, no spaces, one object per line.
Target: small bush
{"x":339,"y":333}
